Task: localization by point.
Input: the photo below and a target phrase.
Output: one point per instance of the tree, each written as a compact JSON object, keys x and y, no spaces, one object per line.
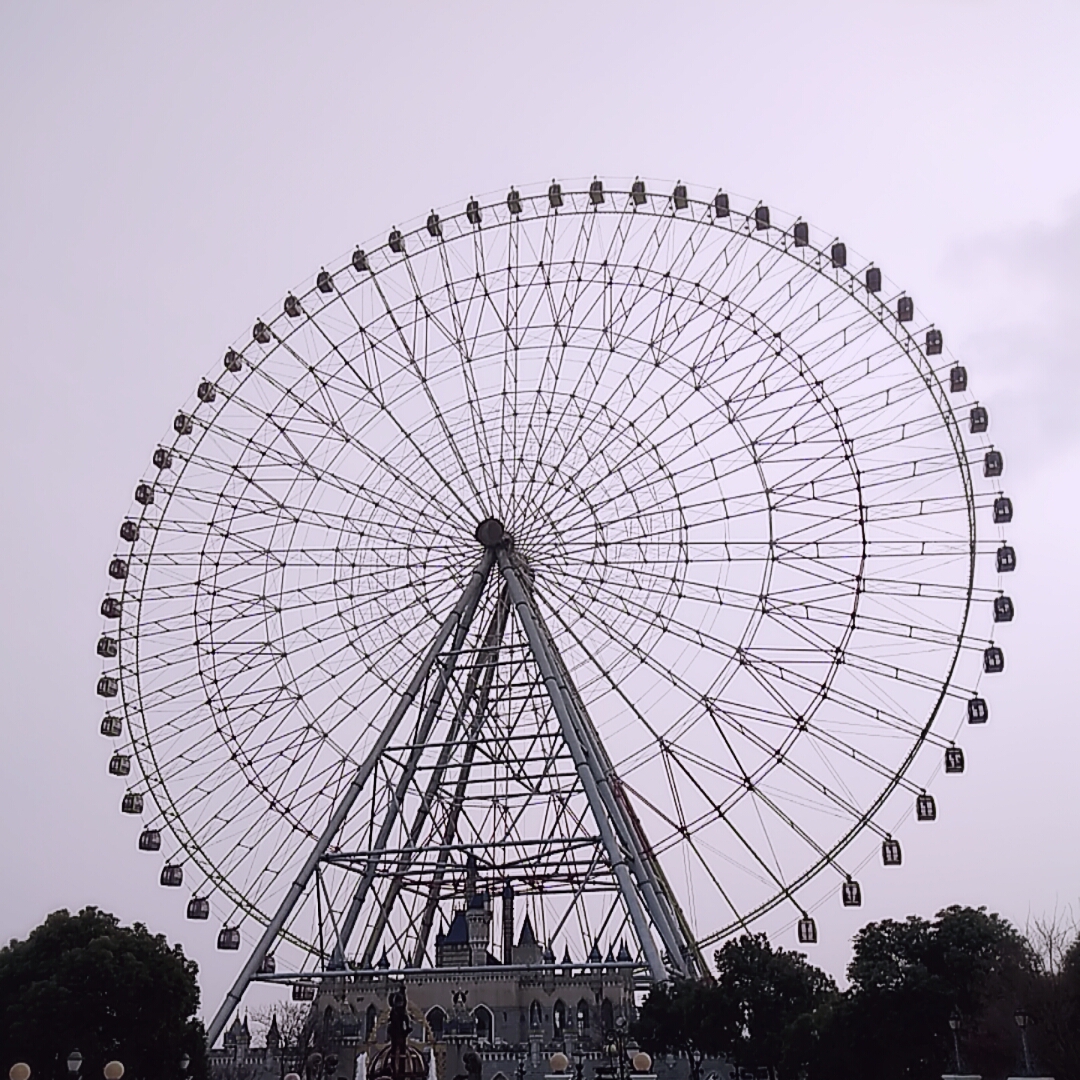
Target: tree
{"x":767,"y":996}
{"x":85,"y":982}
{"x":295,"y":1027}
{"x":755,"y":1013}
{"x":908,"y":977}
{"x":682,"y":1018}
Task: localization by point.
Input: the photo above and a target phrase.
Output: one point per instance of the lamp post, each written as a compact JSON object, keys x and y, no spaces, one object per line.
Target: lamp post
{"x":1022,"y":1020}
{"x":616,"y":1048}
{"x":185,"y":1062}
{"x":954,"y":1026}
{"x":74,"y":1063}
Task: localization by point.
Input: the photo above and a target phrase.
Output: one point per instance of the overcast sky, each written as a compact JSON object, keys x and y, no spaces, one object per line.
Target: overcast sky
{"x":170,"y":171}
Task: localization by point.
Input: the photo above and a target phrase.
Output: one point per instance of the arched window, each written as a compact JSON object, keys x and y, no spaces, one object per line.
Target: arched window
{"x":536,"y":1015}
{"x":582,"y":1016}
{"x":485,"y":1023}
{"x":436,"y":1019}
{"x":371,"y":1018}
{"x":607,"y":1016}
{"x":558,"y":1018}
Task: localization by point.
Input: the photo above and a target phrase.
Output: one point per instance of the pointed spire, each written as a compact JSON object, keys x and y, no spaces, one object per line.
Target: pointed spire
{"x":383,"y":961}
{"x":528,"y":935}
{"x":566,"y":955}
{"x":594,"y":954}
{"x":610,"y":958}
{"x":624,"y":952}
{"x":549,"y":955}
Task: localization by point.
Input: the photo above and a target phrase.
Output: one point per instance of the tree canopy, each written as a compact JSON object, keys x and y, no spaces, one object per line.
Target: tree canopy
{"x":112,"y":992}
{"x":771,"y":1007}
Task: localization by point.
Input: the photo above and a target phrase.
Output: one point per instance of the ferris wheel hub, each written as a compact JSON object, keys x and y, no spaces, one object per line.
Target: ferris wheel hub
{"x":491,"y":533}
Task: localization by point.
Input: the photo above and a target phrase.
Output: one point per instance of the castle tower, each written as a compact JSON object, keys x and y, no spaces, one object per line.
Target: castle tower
{"x":508,"y":923}
{"x":478,"y":921}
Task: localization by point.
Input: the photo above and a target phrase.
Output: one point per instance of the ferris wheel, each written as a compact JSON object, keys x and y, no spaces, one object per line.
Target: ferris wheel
{"x":629,"y":548}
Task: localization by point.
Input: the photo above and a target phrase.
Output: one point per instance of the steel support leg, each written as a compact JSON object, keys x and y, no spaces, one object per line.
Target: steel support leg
{"x":490,"y":645}
{"x":565,"y":712}
{"x":423,"y":730}
{"x":467,"y":603}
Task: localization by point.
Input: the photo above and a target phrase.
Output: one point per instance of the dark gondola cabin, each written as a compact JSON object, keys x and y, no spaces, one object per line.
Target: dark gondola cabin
{"x":807,"y":931}
{"x":513,"y":201}
{"x":303,"y":991}
{"x":890,"y":852}
{"x":1003,"y":609}
{"x":150,"y":840}
{"x":233,"y":361}
{"x":839,"y":255}
{"x":979,"y":419}
{"x":934,"y":343}
{"x":129,"y":531}
{"x":1003,"y":510}
{"x":396,"y":242}
{"x":183,"y":424}
{"x":172,"y":875}
{"x":905,"y":309}
{"x":679,"y":197}
{"x":434,"y":225}
{"x":207,"y":392}
{"x":132,"y":803}
{"x":993,"y":463}
{"x":851,"y":894}
{"x":722,"y":204}
{"x":1006,"y":559}
{"x":954,"y":759}
{"x":198,"y":908}
{"x":873,"y":279}
{"x":801,"y":233}
{"x":144,"y":494}
{"x":472,"y":212}
{"x":120,"y":764}
{"x":111,"y":726}
{"x":162,"y":458}
{"x":925,"y":807}
{"x":118,"y":569}
{"x":555,"y":199}
{"x":978,"y":712}
{"x":268,"y":966}
{"x":228,"y":938}
{"x":260,"y":332}
{"x":761,"y":218}
{"x":108,"y":687}
{"x":111,"y":608}
{"x":360,"y":260}
{"x":993,"y":660}
{"x":107,"y":646}
{"x":324,"y":282}
{"x":958,"y":379}
{"x":596,"y":192}
{"x":637,"y":192}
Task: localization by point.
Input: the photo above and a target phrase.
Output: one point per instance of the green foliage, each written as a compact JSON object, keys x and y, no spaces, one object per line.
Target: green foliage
{"x":770,"y":1007}
{"x":752,"y":1014}
{"x":85,"y":982}
{"x":766,"y":991}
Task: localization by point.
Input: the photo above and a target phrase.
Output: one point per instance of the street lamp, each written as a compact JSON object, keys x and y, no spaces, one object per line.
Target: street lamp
{"x":74,"y":1062}
{"x":954,"y":1025}
{"x":185,"y":1061}
{"x":616,"y":1049}
{"x":1022,"y":1020}
{"x":19,"y":1071}
{"x":113,"y":1070}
